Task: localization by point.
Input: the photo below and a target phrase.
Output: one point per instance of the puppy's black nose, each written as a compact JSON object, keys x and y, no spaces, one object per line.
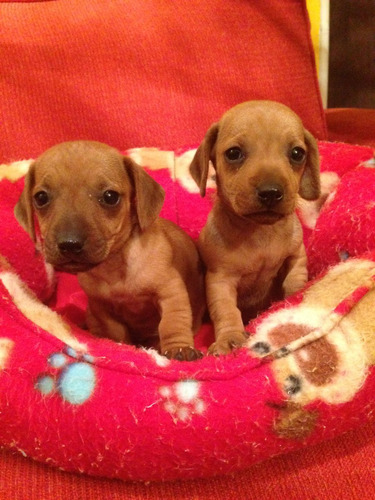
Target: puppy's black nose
{"x":70,"y":246}
{"x":269,"y":195}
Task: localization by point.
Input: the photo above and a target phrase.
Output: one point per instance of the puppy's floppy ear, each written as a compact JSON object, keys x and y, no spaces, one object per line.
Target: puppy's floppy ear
{"x":24,"y":211}
{"x":149,"y":195}
{"x":200,"y":164}
{"x":310,"y":182}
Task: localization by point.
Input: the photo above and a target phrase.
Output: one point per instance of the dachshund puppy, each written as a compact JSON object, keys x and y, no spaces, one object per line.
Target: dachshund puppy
{"x":97,"y":215}
{"x":252,"y":242}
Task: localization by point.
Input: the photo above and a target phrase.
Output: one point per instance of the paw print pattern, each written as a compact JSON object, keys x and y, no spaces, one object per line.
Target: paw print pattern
{"x":182,"y":399}
{"x":74,"y":381}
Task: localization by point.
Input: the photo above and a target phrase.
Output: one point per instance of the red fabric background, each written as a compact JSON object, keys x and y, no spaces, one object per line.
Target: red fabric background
{"x":150,"y":73}
{"x":341,"y":469}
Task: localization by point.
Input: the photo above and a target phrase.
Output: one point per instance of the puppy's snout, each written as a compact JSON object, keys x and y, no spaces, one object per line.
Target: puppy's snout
{"x":72,"y":245}
{"x":270,"y":194}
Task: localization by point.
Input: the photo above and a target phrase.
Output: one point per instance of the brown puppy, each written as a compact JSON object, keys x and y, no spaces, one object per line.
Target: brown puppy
{"x":97,"y":213}
{"x":252,"y":242}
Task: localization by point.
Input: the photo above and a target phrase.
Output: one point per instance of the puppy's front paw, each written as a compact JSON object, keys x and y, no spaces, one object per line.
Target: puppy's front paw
{"x":227,"y":344}
{"x":183,"y":354}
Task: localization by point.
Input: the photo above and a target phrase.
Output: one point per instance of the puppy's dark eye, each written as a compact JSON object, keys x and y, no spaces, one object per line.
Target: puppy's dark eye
{"x":110,"y":198}
{"x":234,"y":155}
{"x":41,"y":199}
{"x":297,"y":155}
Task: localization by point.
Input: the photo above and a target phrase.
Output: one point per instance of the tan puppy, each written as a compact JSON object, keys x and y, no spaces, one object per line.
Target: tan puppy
{"x":97,"y":213}
{"x":252,"y":242}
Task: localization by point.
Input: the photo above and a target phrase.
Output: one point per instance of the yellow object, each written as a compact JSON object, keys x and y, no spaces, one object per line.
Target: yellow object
{"x":319,"y":19}
{"x":313,"y":6}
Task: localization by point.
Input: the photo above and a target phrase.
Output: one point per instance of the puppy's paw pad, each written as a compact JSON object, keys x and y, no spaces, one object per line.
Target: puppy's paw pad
{"x":219,"y":349}
{"x":183,"y":354}
{"x":226,"y":346}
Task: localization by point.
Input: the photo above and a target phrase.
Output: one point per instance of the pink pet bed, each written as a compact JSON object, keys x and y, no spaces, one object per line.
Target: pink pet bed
{"x":93,"y":406}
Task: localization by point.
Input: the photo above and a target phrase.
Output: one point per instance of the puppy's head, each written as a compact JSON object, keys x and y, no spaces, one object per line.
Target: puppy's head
{"x":85,"y":198}
{"x":263,"y":158}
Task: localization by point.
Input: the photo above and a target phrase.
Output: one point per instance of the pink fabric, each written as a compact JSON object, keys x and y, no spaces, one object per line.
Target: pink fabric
{"x":345,"y":226}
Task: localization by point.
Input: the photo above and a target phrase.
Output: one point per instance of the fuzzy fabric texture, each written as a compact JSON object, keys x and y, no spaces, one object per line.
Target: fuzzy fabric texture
{"x":136,"y":74}
{"x":93,"y":406}
{"x":345,"y":227}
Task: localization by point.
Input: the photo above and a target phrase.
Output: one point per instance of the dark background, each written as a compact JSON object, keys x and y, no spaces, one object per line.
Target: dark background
{"x":352,"y":54}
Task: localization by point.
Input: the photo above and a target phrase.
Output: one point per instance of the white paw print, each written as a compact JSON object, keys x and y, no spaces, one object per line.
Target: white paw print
{"x":182,"y":399}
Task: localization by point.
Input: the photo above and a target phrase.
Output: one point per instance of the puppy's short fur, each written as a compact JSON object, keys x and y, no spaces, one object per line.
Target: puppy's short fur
{"x":252,"y":242}
{"x":97,"y":215}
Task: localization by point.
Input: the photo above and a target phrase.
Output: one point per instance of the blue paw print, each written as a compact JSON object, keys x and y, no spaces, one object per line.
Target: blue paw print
{"x":74,"y":381}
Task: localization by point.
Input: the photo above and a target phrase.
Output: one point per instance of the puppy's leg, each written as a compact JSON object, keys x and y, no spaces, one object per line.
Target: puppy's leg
{"x":176,"y":324}
{"x":222,"y":305}
{"x":100,"y":322}
{"x":296,"y":272}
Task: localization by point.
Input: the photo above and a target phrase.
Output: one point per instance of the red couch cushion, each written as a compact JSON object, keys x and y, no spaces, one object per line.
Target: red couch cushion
{"x":149,"y":73}
{"x":351,"y":125}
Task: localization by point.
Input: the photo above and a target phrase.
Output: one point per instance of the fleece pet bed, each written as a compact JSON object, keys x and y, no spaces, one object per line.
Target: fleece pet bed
{"x":93,"y":406}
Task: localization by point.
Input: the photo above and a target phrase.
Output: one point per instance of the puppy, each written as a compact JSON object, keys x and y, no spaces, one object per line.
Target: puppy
{"x":97,"y":216}
{"x":252,"y":242}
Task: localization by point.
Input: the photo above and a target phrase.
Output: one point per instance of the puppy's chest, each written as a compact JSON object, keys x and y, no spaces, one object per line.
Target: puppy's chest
{"x":123,"y":292}
{"x":259,"y":266}
{"x":126,"y":288}
{"x":258,"y":260}
{"x":262,"y":251}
